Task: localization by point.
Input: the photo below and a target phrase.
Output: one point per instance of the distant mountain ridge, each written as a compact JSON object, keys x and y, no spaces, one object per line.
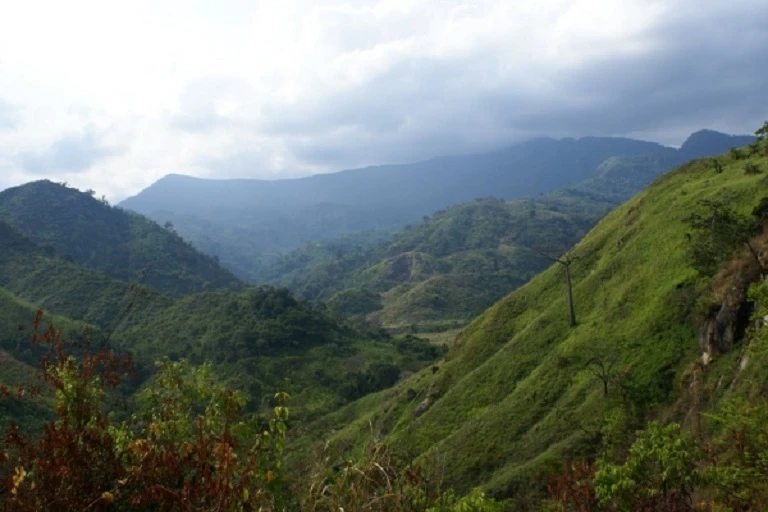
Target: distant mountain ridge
{"x":245,"y":222}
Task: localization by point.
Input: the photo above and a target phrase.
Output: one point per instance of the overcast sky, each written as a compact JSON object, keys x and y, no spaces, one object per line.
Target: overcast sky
{"x":114,"y":95}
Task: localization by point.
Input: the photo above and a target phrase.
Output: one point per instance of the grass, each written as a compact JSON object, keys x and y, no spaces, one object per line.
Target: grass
{"x":514,"y":396}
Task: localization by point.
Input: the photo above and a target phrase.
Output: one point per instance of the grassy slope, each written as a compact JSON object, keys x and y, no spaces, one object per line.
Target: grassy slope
{"x":513,"y":397}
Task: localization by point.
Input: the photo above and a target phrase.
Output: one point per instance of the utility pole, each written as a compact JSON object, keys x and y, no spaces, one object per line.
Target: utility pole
{"x":566,"y":260}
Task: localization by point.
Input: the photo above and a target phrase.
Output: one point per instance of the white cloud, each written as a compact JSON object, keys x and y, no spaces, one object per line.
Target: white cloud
{"x":265,"y":89}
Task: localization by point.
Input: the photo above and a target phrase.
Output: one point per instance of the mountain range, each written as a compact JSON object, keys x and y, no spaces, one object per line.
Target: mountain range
{"x":246,"y":222}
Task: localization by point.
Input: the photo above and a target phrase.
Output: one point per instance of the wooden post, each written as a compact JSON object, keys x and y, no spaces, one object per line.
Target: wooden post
{"x":571,"y":309}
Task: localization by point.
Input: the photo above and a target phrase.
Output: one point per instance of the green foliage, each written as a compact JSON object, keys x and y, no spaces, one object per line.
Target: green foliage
{"x":354,"y":301}
{"x":264,"y":340}
{"x":737,"y":476}
{"x":718,"y":232}
{"x":445,"y":269}
{"x":475,"y":501}
{"x":762,"y":132}
{"x":379,"y":483}
{"x":758,"y":294}
{"x":659,"y":472}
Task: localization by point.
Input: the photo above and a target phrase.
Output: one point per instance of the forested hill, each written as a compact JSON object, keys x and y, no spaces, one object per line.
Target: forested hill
{"x":524,"y":396}
{"x":121,"y":244}
{"x":260,"y":341}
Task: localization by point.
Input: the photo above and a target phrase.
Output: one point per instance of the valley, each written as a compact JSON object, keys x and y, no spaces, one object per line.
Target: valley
{"x":383,"y":256}
{"x":374,"y":349}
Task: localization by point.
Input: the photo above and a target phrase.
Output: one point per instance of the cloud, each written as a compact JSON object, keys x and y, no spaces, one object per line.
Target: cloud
{"x":69,"y":154}
{"x":8,"y":116}
{"x":417,"y":94}
{"x":270,"y":89}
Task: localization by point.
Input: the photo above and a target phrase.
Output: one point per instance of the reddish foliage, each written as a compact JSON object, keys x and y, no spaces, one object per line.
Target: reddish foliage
{"x":77,"y":464}
{"x":572,"y":489}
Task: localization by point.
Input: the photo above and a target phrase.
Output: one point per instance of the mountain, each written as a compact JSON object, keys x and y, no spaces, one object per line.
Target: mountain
{"x":709,"y":143}
{"x":246,"y":221}
{"x":121,"y":244}
{"x":441,"y":272}
{"x":522,"y":392}
{"x":263,"y":341}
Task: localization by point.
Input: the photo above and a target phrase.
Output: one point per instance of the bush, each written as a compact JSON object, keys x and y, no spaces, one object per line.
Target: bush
{"x":188,"y":447}
{"x":658,"y":474}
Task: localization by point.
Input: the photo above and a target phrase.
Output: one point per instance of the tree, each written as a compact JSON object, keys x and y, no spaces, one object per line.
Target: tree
{"x":718,"y":232}
{"x":603,"y":366}
{"x":762,"y":132}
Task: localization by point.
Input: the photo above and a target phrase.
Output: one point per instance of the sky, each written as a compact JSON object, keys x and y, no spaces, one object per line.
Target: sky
{"x":111,"y":96}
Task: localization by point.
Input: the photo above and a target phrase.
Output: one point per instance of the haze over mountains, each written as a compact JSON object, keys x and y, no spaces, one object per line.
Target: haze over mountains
{"x":247,"y":222}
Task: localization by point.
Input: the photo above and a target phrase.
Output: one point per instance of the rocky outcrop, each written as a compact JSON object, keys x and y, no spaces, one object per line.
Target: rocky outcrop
{"x":728,"y":319}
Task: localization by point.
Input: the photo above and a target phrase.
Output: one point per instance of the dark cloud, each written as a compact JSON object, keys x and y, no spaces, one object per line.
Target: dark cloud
{"x":706,"y":67}
{"x":706,"y":70}
{"x":73,"y":153}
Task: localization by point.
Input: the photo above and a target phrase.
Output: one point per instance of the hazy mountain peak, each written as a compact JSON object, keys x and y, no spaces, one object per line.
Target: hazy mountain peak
{"x":710,"y":142}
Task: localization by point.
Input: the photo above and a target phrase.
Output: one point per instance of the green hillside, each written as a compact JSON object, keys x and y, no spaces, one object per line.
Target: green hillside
{"x":521,"y":391}
{"x":19,"y":358}
{"x":439,"y":273}
{"x":450,"y":267}
{"x":263,"y":341}
{"x":122,"y":245}
{"x":260,"y":340}
{"x":59,"y":285}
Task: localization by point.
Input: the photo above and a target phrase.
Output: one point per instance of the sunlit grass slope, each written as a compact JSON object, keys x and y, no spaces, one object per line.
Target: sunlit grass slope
{"x":515,"y":397}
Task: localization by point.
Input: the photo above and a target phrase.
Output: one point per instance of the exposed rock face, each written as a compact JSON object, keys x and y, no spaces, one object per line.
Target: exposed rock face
{"x":727,"y":321}
{"x":423,"y":407}
{"x":725,"y":324}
